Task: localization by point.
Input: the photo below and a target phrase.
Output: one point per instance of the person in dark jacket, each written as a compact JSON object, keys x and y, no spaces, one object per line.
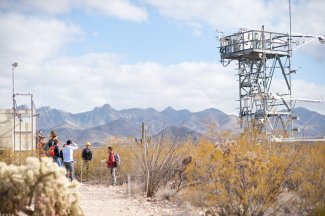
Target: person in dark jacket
{"x":61,"y":153}
{"x":87,"y":156}
{"x":56,"y":156}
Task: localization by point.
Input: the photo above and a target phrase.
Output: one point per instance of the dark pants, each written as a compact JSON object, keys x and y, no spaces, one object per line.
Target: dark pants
{"x":70,"y":169}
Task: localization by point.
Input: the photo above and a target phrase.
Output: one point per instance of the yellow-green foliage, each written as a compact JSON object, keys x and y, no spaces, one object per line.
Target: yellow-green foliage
{"x":38,"y":187}
{"x":312,"y":181}
{"x":6,"y":156}
{"x":18,"y":157}
{"x":242,"y":178}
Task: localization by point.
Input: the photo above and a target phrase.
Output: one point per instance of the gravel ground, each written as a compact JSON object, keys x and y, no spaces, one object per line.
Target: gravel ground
{"x":97,"y":200}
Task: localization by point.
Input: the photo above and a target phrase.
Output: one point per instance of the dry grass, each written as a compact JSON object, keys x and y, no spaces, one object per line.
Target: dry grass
{"x":242,"y":177}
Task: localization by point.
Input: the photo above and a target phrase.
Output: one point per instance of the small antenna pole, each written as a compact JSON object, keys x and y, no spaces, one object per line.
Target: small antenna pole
{"x":290,"y":17}
{"x":290,"y":54}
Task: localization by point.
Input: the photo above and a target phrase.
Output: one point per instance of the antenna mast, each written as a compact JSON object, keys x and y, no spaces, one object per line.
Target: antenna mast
{"x":260,"y":55}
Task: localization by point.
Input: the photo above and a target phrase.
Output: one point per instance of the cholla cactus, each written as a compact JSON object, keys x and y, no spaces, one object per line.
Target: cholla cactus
{"x":39,"y":187}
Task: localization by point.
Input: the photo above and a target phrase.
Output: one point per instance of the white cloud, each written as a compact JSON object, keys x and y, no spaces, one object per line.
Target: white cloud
{"x":302,"y":92}
{"x":122,"y":9}
{"x":306,"y":90}
{"x":36,"y":6}
{"x":197,"y":28}
{"x":79,"y":84}
{"x":31,"y":39}
{"x":230,"y":15}
{"x":219,"y":14}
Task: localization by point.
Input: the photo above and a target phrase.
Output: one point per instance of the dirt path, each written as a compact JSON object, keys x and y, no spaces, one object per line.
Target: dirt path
{"x":99,"y":200}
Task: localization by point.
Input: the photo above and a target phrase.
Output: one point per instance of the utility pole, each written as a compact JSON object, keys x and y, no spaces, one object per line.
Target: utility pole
{"x":14,"y":65}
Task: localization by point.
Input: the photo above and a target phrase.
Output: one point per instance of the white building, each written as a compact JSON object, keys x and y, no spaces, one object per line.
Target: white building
{"x":17,"y":129}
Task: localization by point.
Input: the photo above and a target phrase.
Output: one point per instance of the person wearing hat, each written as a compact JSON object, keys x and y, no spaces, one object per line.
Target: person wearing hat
{"x":87,"y":156}
{"x":68,"y":157}
{"x":41,"y":143}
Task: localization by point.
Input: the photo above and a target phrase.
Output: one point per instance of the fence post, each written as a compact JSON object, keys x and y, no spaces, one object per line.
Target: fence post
{"x":129,"y":185}
{"x":81,"y":171}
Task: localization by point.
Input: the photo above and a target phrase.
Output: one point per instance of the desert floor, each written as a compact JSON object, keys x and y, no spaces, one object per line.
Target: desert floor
{"x":100,"y":200}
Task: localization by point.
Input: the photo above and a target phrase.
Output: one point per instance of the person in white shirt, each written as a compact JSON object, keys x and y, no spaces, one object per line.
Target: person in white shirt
{"x":68,"y":157}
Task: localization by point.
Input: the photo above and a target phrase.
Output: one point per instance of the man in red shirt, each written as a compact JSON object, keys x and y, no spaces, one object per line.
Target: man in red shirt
{"x":111,"y":163}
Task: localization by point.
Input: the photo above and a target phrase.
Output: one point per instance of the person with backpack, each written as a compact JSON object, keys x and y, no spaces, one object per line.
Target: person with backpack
{"x":112,"y":162}
{"x":87,"y":155}
{"x":49,"y":146}
{"x":68,"y":157}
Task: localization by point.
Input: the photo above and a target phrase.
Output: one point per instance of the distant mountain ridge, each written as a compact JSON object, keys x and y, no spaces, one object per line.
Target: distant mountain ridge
{"x":310,"y":123}
{"x":105,"y":122}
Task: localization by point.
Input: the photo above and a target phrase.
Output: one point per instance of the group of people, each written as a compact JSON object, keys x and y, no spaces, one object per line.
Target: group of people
{"x":64,"y":156}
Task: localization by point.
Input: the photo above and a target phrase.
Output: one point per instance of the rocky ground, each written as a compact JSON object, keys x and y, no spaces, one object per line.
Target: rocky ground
{"x":103,"y":200}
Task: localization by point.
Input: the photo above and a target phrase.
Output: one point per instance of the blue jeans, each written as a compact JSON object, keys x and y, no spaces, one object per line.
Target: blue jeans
{"x":113,"y":173}
{"x":58,"y":161}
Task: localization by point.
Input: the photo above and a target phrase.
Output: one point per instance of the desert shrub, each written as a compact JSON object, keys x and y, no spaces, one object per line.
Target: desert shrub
{"x":7,"y":156}
{"x":39,"y":187}
{"x":311,"y":190}
{"x":18,"y":157}
{"x":157,"y":161}
{"x":241,"y":178}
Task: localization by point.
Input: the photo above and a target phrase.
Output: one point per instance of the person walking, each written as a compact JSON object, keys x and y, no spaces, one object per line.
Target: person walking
{"x":87,"y":155}
{"x":68,"y":157}
{"x":111,"y":164}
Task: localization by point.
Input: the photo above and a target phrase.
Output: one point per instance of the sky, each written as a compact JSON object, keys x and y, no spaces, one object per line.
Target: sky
{"x":75,"y":55}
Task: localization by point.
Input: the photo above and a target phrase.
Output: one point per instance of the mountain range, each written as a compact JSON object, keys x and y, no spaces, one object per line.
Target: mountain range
{"x":103,"y":123}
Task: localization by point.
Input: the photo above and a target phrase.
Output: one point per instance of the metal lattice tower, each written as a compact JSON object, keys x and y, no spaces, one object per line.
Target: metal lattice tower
{"x":260,"y":56}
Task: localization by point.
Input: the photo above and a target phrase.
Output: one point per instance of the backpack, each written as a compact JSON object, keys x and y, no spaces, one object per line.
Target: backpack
{"x":49,"y":148}
{"x":50,"y":151}
{"x":117,"y":159}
